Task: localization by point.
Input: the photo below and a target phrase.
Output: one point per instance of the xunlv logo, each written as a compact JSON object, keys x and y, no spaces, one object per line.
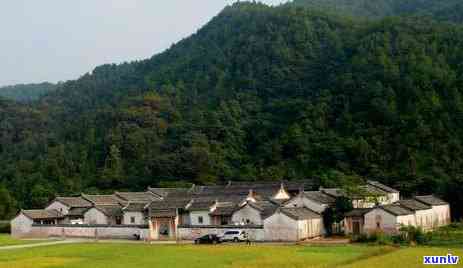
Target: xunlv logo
{"x":449,"y":259}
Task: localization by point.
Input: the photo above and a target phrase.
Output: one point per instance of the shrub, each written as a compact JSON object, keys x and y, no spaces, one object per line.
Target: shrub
{"x":5,"y":228}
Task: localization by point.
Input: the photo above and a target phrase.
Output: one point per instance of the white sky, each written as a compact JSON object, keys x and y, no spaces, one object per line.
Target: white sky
{"x":57,"y":40}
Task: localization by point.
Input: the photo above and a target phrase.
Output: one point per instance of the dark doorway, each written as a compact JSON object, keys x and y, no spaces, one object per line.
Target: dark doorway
{"x":356,"y":227}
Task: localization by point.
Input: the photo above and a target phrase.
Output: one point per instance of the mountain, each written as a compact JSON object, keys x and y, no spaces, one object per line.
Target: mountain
{"x":26,"y":92}
{"x":259,"y":93}
{"x":444,"y":10}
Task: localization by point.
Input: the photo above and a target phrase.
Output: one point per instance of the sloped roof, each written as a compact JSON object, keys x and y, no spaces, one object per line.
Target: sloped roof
{"x":137,"y":196}
{"x":224,"y":209}
{"x":300,"y":213}
{"x":396,"y":210}
{"x":413,"y":204}
{"x":77,"y":212}
{"x":334,"y":192}
{"x":170,"y":192}
{"x":320,"y":197}
{"x":357,"y":212}
{"x":42,"y":214}
{"x":382,"y":187}
{"x":110,"y":211}
{"x":266,"y":208}
{"x":200,"y":205}
{"x":431,"y":200}
{"x":104,"y":200}
{"x":74,"y":202}
{"x":135,"y":207}
{"x":163,"y":213}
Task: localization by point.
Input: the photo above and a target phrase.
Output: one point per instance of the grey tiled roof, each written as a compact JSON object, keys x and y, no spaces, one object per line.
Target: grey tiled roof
{"x":320,"y":197}
{"x":74,"y":202}
{"x":41,"y":214}
{"x":199,"y":205}
{"x":163,"y":213}
{"x":135,"y":207}
{"x":382,"y":187}
{"x":224,"y":209}
{"x":170,"y":192}
{"x":334,"y":192}
{"x":110,"y":211}
{"x":413,"y":204}
{"x":77,"y":212}
{"x":300,"y":213}
{"x":266,"y":208}
{"x":104,"y":200}
{"x":357,"y":212}
{"x":137,"y":196}
{"x":431,"y":200}
{"x":397,"y":210}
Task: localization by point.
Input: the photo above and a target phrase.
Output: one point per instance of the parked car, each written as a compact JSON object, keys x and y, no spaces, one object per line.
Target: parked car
{"x":235,"y":236}
{"x":208,"y":239}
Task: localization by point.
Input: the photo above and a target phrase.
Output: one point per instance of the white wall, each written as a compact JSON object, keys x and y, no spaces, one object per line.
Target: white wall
{"x":247,"y":213}
{"x":94,"y":216}
{"x":393,"y":197}
{"x":139,"y":218}
{"x":441,"y":215}
{"x":59,"y":207}
{"x":194,"y":218}
{"x":280,"y":227}
{"x":388,"y":222}
{"x":424,"y":219}
{"x":21,"y":225}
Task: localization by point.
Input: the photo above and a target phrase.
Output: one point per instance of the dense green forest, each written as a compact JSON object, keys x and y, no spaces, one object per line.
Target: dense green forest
{"x":259,"y":93}
{"x":443,"y":10}
{"x":26,"y":92}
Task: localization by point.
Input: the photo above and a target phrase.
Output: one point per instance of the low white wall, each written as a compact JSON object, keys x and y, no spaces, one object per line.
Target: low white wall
{"x":93,"y":232}
{"x":193,"y":232}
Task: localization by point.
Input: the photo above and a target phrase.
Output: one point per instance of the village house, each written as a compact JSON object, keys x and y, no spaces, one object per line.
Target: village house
{"x":388,"y":219}
{"x":272,"y":211}
{"x":354,"y":221}
{"x":316,"y":201}
{"x":73,"y":208}
{"x":292,"y":224}
{"x":440,"y":209}
{"x":21,"y":225}
{"x":423,"y":213}
{"x":105,"y":210}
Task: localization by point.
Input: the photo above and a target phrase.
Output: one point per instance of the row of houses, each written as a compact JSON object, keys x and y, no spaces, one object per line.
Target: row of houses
{"x":274,"y":211}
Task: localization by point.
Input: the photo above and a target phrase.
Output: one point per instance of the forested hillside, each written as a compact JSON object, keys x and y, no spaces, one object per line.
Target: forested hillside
{"x":26,"y":93}
{"x":444,"y":10}
{"x":259,"y":93}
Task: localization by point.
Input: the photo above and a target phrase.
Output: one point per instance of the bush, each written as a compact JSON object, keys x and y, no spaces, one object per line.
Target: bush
{"x":5,"y":228}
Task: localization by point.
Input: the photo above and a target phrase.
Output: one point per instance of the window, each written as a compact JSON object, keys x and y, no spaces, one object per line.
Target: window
{"x":200,"y":219}
{"x":132,"y":219}
{"x":118,"y":220}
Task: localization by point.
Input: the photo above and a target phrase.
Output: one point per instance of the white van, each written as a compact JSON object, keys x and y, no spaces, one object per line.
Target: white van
{"x":235,"y":236}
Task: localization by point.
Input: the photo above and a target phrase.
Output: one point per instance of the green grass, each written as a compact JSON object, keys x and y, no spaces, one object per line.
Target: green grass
{"x":230,"y":256}
{"x":7,"y":240}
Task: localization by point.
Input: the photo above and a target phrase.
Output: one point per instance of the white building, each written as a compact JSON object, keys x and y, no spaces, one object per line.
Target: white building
{"x":293,"y":224}
{"x":440,"y":209}
{"x":388,"y":219}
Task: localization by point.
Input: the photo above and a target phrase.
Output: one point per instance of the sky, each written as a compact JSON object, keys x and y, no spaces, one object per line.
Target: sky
{"x":56,"y":40}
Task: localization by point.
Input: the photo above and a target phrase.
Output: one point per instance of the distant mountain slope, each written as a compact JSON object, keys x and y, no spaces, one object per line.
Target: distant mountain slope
{"x":259,"y":93}
{"x":446,"y":10}
{"x":26,"y":92}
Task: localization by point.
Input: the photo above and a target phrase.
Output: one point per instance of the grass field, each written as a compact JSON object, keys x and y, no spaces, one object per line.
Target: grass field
{"x":7,"y":240}
{"x":190,"y":256}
